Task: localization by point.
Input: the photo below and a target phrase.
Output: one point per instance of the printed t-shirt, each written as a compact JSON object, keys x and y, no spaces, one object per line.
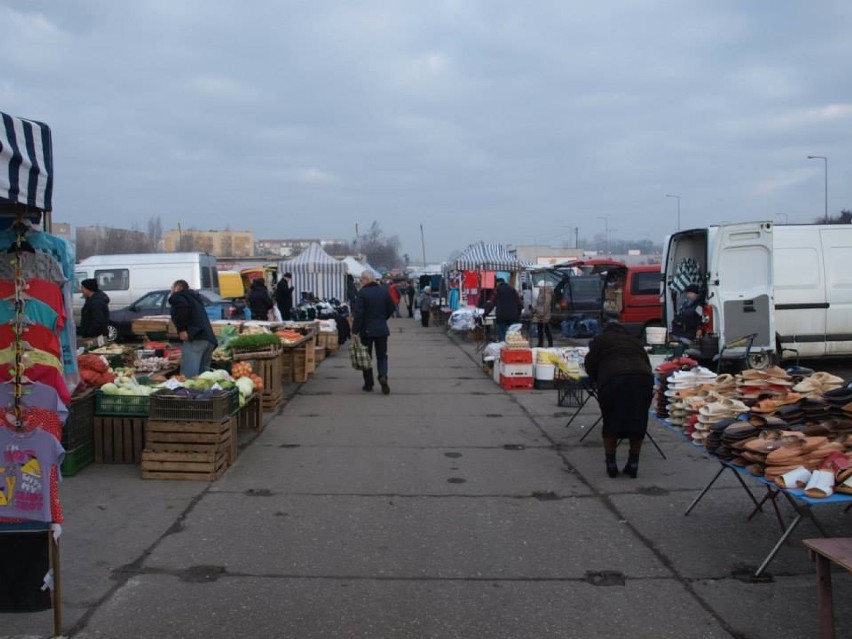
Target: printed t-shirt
{"x":35,"y":335}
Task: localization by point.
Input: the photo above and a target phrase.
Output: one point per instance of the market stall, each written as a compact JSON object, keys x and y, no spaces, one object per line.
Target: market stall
{"x":38,"y":371}
{"x":317,"y":273}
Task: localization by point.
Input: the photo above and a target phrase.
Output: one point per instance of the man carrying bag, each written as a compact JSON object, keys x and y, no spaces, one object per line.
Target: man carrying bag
{"x":372,"y":309}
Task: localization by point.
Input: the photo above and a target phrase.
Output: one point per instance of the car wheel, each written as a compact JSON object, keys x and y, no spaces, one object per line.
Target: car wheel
{"x":112,"y":332}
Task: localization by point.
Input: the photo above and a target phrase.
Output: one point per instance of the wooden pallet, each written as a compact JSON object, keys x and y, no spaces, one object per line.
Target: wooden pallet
{"x":199,"y":466}
{"x":250,"y":416}
{"x":118,"y":440}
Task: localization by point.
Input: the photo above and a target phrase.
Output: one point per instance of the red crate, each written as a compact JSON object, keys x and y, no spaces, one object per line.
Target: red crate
{"x":516,"y":383}
{"x":516,"y":355}
{"x":515,"y":370}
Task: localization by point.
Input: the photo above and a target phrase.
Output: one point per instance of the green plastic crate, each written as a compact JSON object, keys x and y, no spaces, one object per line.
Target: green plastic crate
{"x":168,"y":407}
{"x":130,"y":405}
{"x":77,"y":459}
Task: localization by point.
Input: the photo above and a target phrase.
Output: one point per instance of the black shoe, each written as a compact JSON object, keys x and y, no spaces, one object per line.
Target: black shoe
{"x":383,"y":381}
{"x":611,"y":468}
{"x":369,"y":389}
{"x":631,"y":468}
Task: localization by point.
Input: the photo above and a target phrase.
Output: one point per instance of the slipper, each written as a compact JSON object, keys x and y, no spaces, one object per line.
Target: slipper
{"x":802,"y":371}
{"x":797,"y":478}
{"x":820,"y":485}
{"x":827,"y":378}
{"x":845,"y":487}
{"x":776,"y":371}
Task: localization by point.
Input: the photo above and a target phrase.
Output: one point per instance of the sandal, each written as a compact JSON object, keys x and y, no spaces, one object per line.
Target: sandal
{"x":820,"y":485}
{"x":797,"y":478}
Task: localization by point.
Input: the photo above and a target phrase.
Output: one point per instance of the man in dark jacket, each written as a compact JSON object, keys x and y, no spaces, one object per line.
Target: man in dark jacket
{"x":258,"y":300}
{"x":94,"y":318}
{"x":194,"y":330}
{"x":506,"y":304}
{"x":284,"y":296}
{"x":371,"y":311}
{"x":687,"y":321}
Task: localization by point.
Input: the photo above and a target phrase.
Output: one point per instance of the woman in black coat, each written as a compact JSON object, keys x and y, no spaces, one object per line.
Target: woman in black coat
{"x":259,"y":300}
{"x":618,"y":364}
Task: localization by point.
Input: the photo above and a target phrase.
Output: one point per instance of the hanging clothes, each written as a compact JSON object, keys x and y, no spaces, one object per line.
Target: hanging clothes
{"x":687,"y":273}
{"x":35,"y":395}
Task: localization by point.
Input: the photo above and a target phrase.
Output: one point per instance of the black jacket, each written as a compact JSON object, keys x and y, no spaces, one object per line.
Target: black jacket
{"x":259,"y":302}
{"x":94,"y":318}
{"x":284,"y":297}
{"x":688,"y":320}
{"x":506,"y":303}
{"x":188,"y":314}
{"x":616,"y":352}
{"x":371,"y":311}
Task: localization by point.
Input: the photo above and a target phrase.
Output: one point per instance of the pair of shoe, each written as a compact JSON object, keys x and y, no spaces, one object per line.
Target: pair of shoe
{"x":367,"y":388}
{"x":631,"y":468}
{"x":383,"y":382}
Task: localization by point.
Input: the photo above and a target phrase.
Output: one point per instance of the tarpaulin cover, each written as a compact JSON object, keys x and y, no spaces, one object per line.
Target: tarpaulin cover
{"x":489,"y":257}
{"x":316,"y":271}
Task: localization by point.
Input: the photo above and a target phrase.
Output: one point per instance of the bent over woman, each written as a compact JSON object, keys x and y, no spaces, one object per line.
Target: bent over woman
{"x":619,"y":366}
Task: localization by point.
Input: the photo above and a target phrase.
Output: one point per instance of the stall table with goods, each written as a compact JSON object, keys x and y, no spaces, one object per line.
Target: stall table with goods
{"x":789,"y":431}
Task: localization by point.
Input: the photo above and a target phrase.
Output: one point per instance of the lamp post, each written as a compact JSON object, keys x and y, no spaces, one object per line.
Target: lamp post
{"x":825,"y":161}
{"x":677,"y":197}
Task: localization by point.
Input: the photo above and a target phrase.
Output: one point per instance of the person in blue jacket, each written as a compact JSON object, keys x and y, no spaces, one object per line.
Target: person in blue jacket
{"x":372,"y":308}
{"x":198,"y":341}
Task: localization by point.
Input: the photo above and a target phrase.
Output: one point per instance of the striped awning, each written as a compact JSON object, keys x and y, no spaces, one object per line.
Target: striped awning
{"x":26,"y":163}
{"x":315,"y":271}
{"x":489,"y":257}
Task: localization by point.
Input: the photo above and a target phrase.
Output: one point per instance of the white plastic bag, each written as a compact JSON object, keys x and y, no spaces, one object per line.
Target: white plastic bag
{"x":417,"y":315}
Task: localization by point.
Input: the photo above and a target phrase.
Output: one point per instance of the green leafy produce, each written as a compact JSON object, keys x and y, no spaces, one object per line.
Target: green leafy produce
{"x":254,"y":342}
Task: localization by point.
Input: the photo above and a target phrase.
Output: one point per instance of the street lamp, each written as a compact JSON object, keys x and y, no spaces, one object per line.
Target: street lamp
{"x":825,"y":160}
{"x":677,"y":197}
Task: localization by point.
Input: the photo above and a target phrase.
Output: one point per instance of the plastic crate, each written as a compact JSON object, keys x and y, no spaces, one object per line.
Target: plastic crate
{"x":77,"y":430}
{"x":168,"y":407}
{"x":77,"y":459}
{"x":515,"y":370}
{"x":131,"y":405}
{"x":516,"y":355}
{"x":516,"y":383}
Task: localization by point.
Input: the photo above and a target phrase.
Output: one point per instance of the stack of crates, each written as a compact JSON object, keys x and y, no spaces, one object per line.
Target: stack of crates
{"x":516,"y":368}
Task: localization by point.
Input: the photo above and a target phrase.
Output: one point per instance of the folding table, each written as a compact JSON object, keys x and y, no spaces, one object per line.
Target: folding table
{"x":575,"y":391}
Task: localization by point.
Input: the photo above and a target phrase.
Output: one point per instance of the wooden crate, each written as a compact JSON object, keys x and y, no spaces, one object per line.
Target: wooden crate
{"x":270,"y":403}
{"x":322,"y":340}
{"x":319,"y":354}
{"x":118,"y":439}
{"x":250,"y":416}
{"x":199,"y":466}
{"x":270,"y":370}
{"x":310,"y":355}
{"x":332,"y":342}
{"x":192,"y":437}
{"x":293,"y":365}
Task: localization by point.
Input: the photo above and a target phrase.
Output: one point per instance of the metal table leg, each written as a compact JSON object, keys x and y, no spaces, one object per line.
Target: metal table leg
{"x":704,"y":491}
{"x":778,"y":545}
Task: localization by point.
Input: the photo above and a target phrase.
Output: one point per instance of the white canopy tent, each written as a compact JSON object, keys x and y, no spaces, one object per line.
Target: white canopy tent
{"x":355,"y":267}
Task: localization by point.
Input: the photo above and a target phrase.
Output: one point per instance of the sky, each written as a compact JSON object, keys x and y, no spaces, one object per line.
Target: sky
{"x":495,"y":120}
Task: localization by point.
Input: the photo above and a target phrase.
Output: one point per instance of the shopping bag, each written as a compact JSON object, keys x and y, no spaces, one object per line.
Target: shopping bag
{"x":359,"y":356}
{"x":417,"y":315}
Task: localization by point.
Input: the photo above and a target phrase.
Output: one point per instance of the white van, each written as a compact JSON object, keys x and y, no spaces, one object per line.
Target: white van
{"x":733,"y":266}
{"x":126,"y":278}
{"x":790,"y":284}
{"x":813,"y":290}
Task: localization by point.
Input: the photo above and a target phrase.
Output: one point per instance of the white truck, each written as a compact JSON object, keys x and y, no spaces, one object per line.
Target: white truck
{"x":791,"y":285}
{"x":126,"y":278}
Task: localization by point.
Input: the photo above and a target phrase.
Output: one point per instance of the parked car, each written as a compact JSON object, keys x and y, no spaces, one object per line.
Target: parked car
{"x":157,"y":303}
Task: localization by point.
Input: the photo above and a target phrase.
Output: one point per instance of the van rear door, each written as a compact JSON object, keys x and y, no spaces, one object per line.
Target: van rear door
{"x":740,"y":285}
{"x":837,"y":254}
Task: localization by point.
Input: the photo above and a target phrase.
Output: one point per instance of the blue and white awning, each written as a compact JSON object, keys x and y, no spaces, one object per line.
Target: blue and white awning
{"x":315,"y":271}
{"x":26,"y":163}
{"x":487,"y":257}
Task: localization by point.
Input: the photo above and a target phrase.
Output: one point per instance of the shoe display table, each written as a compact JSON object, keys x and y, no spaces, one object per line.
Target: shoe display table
{"x":824,"y":552}
{"x":801,"y":503}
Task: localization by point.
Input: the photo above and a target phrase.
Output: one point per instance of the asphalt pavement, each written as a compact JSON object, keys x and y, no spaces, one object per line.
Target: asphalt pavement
{"x":449,"y":509}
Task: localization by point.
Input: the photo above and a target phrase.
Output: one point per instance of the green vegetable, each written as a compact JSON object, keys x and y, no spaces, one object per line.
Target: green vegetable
{"x":254,"y":342}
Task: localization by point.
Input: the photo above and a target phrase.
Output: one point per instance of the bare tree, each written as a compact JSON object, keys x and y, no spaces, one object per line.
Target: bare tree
{"x":379,"y":250}
{"x":155,"y":229}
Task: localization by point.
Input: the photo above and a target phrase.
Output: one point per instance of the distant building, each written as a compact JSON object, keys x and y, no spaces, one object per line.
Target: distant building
{"x":218,"y":243}
{"x":546,"y":255}
{"x":292,"y":247}
{"x":63,"y":230}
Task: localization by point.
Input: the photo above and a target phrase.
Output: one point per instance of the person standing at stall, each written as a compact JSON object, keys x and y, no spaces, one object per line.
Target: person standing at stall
{"x":373,"y":307}
{"x":541,"y":313}
{"x":506,"y":304}
{"x":198,"y":340}
{"x":284,"y":296}
{"x":94,"y":317}
{"x":409,"y":298}
{"x":259,"y":300}
{"x":619,"y":366}
{"x":425,"y":306}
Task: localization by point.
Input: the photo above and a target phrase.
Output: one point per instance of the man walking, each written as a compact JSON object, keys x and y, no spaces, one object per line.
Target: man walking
{"x":507,"y":306}
{"x":194,"y":329}
{"x":284,"y":296}
{"x":371,"y":311}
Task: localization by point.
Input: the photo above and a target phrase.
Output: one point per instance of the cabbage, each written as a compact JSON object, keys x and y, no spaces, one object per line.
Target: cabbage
{"x":209,"y":376}
{"x":245,"y":385}
{"x":110,"y":389}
